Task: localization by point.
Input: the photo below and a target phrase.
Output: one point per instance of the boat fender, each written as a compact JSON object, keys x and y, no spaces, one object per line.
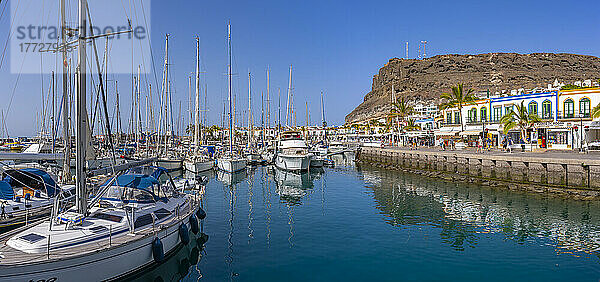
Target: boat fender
{"x":202,"y":239}
{"x":157,"y":250}
{"x":194,"y":224}
{"x":37,"y":194}
{"x":201,"y":214}
{"x":28,"y":197}
{"x":184,"y":234}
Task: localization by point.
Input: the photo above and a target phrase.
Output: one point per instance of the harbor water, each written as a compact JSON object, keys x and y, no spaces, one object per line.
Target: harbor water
{"x":367,"y":224}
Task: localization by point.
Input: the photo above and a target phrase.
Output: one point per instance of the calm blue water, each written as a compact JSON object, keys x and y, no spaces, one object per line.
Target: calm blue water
{"x":364,"y":223}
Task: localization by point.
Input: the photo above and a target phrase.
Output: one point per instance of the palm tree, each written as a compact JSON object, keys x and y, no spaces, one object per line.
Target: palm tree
{"x":401,"y":109}
{"x":519,"y":118}
{"x":411,"y":125}
{"x":596,"y":111}
{"x":458,"y":98}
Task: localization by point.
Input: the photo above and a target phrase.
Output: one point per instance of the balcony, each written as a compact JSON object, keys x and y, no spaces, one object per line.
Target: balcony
{"x":575,"y":115}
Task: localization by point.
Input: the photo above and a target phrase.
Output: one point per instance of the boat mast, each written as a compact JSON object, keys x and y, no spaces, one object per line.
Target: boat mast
{"x":165,"y":97}
{"x":190,"y":112}
{"x":81,"y":114}
{"x":66,"y":173}
{"x":278,"y":109}
{"x":287,"y":111}
{"x":52,"y":127}
{"x":268,"y":100}
{"x":197,"y":117}
{"x":118,"y":115}
{"x":323,"y":116}
{"x":229,"y":90}
{"x":250,"y":125}
{"x":262,"y":118}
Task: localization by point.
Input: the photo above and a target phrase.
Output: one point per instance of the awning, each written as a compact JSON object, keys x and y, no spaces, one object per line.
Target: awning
{"x":447,"y":132}
{"x":470,"y":132}
{"x":594,"y":125}
{"x":416,"y":134}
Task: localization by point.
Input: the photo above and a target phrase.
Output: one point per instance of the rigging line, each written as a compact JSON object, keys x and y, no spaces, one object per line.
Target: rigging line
{"x":3,"y":9}
{"x":12,"y":22}
{"x":13,"y":93}
{"x":142,"y":49}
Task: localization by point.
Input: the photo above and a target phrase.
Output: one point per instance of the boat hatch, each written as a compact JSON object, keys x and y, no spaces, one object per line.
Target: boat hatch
{"x":161,"y":213}
{"x":109,"y":217}
{"x":143,"y":220}
{"x":98,"y":229}
{"x":32,"y":238}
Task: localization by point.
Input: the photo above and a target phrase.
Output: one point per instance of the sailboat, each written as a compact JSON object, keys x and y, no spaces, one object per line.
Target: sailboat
{"x":198,"y":162}
{"x":169,"y":158}
{"x":130,"y":224}
{"x":230,"y":162}
{"x":252,"y":156}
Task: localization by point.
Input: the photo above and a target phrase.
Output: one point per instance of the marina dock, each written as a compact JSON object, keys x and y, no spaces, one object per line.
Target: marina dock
{"x":559,"y":173}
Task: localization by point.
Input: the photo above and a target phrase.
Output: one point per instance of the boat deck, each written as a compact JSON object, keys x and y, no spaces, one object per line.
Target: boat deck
{"x":12,"y":257}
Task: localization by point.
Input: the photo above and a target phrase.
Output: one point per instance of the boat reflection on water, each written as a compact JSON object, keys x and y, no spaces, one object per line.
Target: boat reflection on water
{"x":229,"y":178}
{"x":210,"y":174}
{"x":344,"y":159}
{"x":177,"y":266}
{"x":465,"y":211}
{"x":292,"y":186}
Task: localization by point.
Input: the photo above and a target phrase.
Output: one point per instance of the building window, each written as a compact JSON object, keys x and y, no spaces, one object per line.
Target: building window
{"x":473,"y":115}
{"x":569,"y":108}
{"x":547,"y":109}
{"x":457,"y":117}
{"x":584,"y":107}
{"x":483,"y":114}
{"x":532,"y":108}
{"x":496,"y":113}
{"x":449,"y":117}
{"x":508,"y":109}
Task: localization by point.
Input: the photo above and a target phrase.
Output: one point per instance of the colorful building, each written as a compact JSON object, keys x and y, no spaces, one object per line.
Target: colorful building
{"x":565,"y":116}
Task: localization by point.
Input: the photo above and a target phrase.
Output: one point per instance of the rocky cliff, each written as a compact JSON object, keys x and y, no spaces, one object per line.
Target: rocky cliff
{"x":426,"y":79}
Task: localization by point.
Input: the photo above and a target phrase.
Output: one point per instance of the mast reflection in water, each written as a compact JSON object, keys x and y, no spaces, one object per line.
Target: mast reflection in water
{"x":348,"y":223}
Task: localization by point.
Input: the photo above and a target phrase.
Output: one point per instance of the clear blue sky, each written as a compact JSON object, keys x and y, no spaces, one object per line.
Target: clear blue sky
{"x":335,"y":46}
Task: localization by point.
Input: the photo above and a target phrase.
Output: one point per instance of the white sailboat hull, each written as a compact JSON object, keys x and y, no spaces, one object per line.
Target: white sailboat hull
{"x":107,"y":264}
{"x":292,"y":162}
{"x":199,"y":166}
{"x":170,"y":164}
{"x":231,"y":165}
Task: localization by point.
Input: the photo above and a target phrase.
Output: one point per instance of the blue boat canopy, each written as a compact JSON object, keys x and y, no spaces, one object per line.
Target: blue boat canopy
{"x":30,"y":177}
{"x":6,"y":191}
{"x":139,"y":181}
{"x":154,"y":171}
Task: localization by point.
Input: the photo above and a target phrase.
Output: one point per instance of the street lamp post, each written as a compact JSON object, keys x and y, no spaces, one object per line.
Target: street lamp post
{"x":580,"y":132}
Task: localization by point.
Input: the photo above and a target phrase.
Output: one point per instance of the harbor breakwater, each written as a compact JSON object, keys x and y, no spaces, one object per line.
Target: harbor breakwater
{"x":574,"y":178}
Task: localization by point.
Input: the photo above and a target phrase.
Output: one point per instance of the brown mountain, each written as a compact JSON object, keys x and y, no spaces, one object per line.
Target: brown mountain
{"x":426,"y":79}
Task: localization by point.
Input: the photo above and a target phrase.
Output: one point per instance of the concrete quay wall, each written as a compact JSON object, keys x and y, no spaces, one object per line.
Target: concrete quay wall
{"x":567,"y":176}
